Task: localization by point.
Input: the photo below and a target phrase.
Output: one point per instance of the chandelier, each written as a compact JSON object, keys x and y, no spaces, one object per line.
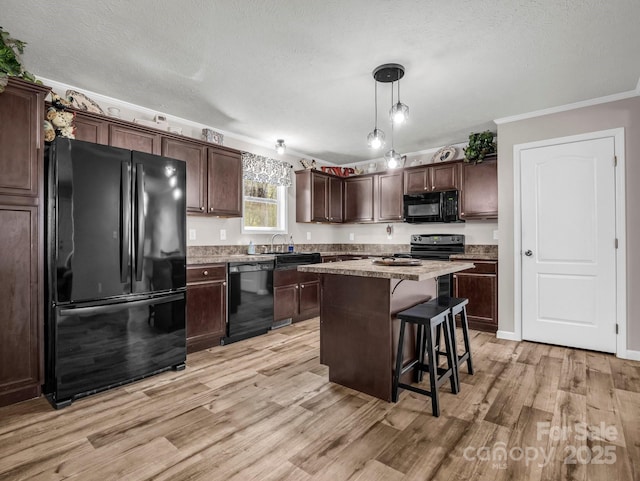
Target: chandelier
{"x":398,"y":114}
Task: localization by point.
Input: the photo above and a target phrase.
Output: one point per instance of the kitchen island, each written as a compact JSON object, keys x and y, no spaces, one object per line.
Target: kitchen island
{"x":358,"y":325}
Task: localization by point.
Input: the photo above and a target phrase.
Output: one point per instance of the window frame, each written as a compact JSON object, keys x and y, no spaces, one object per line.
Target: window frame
{"x":282,"y":210}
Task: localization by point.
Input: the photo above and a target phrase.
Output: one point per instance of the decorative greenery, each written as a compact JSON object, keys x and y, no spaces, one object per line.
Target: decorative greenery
{"x":481,"y":144}
{"x":10,"y":63}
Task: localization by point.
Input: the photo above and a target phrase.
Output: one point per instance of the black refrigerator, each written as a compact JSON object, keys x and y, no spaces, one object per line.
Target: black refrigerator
{"x":115,"y":267}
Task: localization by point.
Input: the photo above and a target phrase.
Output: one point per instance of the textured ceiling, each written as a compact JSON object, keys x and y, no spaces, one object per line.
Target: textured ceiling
{"x":301,"y":70}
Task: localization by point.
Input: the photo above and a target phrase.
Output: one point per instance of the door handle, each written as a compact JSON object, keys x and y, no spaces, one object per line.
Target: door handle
{"x":528,"y":253}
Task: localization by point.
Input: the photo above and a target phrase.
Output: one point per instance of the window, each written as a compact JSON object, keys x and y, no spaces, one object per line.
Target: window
{"x":265,"y":207}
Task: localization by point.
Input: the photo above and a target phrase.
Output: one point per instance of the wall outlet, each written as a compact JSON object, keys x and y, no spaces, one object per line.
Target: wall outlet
{"x":495,"y":235}
{"x":192,"y":234}
{"x":352,"y":236}
{"x":223,"y":234}
{"x":308,"y":235}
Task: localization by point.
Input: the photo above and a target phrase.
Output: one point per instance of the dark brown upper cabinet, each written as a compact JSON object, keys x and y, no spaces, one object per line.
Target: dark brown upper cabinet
{"x":224,"y":183}
{"x":91,"y":129}
{"x":479,"y":190}
{"x":134,"y":139}
{"x":388,"y":199}
{"x":319,"y":197}
{"x":359,"y":192}
{"x":195,"y":156}
{"x":418,"y":180}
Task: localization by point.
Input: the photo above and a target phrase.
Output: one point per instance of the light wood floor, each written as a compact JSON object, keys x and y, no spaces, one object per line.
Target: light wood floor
{"x":263,"y":409}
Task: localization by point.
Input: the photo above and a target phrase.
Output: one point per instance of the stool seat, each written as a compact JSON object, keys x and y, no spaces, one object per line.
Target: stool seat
{"x":423,"y":313}
{"x":427,"y":317}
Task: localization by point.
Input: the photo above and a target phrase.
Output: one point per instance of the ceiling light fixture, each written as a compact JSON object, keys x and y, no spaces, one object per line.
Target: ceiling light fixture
{"x":399,"y":112}
{"x":390,"y":73}
{"x":375,"y":139}
{"x":280,"y":146}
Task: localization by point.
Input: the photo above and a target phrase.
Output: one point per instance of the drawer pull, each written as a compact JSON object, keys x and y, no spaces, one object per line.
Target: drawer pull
{"x":205,"y":273}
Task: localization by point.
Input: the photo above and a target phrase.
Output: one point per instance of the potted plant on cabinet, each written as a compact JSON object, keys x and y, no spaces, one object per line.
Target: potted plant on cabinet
{"x":480,"y":145}
{"x":10,"y":63}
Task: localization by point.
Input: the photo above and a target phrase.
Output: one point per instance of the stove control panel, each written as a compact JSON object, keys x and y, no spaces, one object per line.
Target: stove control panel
{"x":437,"y":239}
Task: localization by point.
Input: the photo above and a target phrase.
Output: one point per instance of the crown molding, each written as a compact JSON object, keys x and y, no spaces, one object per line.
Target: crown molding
{"x":573,"y":106}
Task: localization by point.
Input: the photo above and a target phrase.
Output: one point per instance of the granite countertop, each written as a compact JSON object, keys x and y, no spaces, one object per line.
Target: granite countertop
{"x":365,"y":268}
{"x":476,"y":257}
{"x":223,"y":259}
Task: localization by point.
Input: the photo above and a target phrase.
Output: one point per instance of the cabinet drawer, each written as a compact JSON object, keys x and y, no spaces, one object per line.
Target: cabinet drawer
{"x":206,"y":272}
{"x":482,"y":267}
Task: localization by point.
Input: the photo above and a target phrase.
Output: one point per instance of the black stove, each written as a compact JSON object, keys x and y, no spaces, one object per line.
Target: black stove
{"x":437,"y":247}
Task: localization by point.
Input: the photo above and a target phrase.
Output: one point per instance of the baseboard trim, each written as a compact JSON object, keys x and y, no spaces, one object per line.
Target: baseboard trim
{"x":508,"y":335}
{"x":629,"y":354}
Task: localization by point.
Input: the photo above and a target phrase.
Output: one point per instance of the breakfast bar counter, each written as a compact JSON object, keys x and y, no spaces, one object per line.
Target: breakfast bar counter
{"x":358,"y":325}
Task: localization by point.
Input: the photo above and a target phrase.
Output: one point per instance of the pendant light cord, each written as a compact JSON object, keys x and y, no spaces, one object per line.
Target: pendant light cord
{"x":375,"y":128}
{"x":392,"y":119}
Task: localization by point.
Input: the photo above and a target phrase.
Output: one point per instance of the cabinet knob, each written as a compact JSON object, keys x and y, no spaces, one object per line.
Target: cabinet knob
{"x":224,"y":283}
{"x":202,"y":208}
{"x":205,"y":273}
{"x":302,"y":286}
{"x":210,"y":209}
{"x":297,"y":287}
{"x":426,"y":187}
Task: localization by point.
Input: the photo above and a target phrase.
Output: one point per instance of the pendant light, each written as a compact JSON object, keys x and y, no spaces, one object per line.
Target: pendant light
{"x":375,"y":139}
{"x":392,"y":158}
{"x":399,"y":112}
{"x":280,"y":146}
{"x":389,"y":73}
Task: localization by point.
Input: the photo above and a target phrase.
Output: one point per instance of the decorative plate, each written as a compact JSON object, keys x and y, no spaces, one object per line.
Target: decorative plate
{"x":444,"y":154}
{"x":81,"y":102}
{"x":397,"y":261}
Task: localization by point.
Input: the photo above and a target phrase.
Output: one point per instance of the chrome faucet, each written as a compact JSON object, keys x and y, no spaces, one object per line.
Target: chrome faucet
{"x":284,"y":236}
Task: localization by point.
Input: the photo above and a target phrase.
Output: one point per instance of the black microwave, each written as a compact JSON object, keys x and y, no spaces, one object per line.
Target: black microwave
{"x":431,"y":207}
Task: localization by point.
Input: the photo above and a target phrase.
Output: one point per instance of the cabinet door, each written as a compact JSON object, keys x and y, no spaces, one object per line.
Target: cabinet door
{"x":416,"y":181}
{"x":358,"y":199}
{"x":285,"y":302}
{"x":195,"y":156}
{"x":21,"y":141}
{"x":389,"y":197}
{"x":335,"y":199}
{"x":479,"y":190}
{"x":20,"y":318}
{"x":91,"y":130}
{"x":444,"y":177}
{"x":309,"y":302}
{"x":224,"y":183}
{"x":319,"y":198}
{"x":482,"y":292}
{"x":206,"y":314}
{"x":134,"y":139}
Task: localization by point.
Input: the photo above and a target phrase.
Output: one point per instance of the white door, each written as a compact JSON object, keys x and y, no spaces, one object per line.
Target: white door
{"x":568,"y":244}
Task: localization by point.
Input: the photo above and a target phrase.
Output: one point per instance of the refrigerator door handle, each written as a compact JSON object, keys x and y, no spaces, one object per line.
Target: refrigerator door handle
{"x":87,"y":311}
{"x":125,"y":220}
{"x":140,"y":218}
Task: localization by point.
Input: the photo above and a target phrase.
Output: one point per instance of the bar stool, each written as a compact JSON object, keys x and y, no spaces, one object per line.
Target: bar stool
{"x":427,"y":317}
{"x":457,"y":305}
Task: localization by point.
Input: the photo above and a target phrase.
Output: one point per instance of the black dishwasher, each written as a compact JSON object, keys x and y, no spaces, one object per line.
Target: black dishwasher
{"x":249,"y":300}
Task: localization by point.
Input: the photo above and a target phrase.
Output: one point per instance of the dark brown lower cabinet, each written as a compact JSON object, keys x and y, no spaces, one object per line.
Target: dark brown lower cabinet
{"x":206,"y":305}
{"x":480,"y":286}
{"x":296,"y":295}
{"x":21,"y":326}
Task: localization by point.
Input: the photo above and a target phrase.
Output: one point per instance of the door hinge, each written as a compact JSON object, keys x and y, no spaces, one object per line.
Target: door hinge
{"x":615,"y":161}
{"x":616,"y":243}
{"x":616,"y":328}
